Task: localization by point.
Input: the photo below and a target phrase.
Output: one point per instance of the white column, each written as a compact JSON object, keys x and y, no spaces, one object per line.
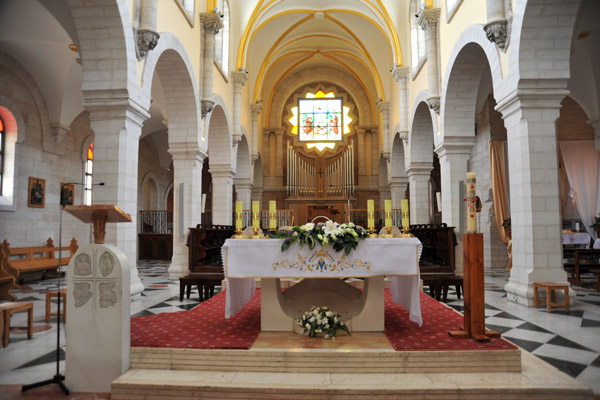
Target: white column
{"x":243,"y":191}
{"x":398,"y":191}
{"x":255,"y":108}
{"x":418,"y":177}
{"x":222,"y":191}
{"x":454,"y":154}
{"x":117,"y":125}
{"x":384,"y":109}
{"x":428,"y":20}
{"x":362,"y":170}
{"x":239,"y":78}
{"x":147,"y":37}
{"x":495,"y":28}
{"x":279,"y":152}
{"x":530,"y":119}
{"x":212,"y":24}
{"x":187,"y":201}
{"x":401,"y":75}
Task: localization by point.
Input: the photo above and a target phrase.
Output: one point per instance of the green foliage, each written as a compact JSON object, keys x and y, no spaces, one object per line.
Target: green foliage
{"x":322,"y":321}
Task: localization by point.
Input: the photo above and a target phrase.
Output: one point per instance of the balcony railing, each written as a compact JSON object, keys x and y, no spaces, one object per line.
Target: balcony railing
{"x":156,"y":221}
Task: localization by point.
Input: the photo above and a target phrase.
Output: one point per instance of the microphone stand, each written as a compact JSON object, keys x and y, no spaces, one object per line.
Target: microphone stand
{"x":57,"y":378}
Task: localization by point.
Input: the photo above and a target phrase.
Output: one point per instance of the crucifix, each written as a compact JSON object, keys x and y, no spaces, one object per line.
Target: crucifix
{"x":320,"y":172}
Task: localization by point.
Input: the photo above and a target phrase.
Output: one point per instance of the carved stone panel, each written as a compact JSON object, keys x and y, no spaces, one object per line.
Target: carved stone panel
{"x":83,"y":264}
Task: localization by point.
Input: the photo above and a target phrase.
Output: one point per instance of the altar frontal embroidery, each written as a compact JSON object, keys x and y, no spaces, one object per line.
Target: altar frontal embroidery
{"x":322,"y":261}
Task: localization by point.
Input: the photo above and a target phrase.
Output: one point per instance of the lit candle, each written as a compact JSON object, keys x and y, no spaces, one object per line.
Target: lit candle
{"x":255,"y":215}
{"x":388,"y":213}
{"x":405,"y":220}
{"x":371,"y":214}
{"x":238,"y":215}
{"x":272,"y":215}
{"x":471,"y":200}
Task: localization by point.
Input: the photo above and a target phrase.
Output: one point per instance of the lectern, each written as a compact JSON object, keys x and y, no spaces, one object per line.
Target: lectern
{"x":98,"y":287}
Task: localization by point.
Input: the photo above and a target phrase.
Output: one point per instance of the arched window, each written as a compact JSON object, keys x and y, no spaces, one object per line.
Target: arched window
{"x":89,"y":168}
{"x":222,"y":38}
{"x":417,"y":39}
{"x":1,"y":154}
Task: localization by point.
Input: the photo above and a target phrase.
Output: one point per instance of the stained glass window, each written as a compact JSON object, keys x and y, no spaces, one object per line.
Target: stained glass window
{"x":320,"y":119}
{"x":1,"y":153}
{"x":89,"y":167}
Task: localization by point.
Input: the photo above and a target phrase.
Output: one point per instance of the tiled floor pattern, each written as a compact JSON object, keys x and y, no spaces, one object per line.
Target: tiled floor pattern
{"x":570,"y":342}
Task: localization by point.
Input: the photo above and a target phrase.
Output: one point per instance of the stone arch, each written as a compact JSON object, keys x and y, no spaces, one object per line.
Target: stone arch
{"x":541,"y":41}
{"x":397,"y":158}
{"x":314,"y":75}
{"x":422,"y":132}
{"x":14,"y":131}
{"x":106,"y":45}
{"x":472,"y":53}
{"x":148,"y":200}
{"x":170,"y":60}
{"x":219,"y":136}
{"x":243,"y":163}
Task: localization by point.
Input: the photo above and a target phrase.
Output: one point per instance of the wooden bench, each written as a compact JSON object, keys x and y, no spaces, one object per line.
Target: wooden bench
{"x":8,"y":275}
{"x":38,"y":258}
{"x":578,"y":261}
{"x":437,"y":263}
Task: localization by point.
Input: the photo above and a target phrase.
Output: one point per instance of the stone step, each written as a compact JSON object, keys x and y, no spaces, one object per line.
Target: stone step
{"x":327,"y":361}
{"x":537,"y":380}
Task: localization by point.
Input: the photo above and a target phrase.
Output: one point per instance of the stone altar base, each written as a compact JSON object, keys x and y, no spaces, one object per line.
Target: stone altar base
{"x":342,"y":370}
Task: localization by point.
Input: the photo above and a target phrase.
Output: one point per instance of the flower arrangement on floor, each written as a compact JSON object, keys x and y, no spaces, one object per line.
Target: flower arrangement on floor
{"x":340,"y":236}
{"x":322,"y":321}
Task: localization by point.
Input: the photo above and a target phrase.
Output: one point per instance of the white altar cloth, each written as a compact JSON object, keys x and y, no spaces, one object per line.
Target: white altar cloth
{"x":395,"y":258}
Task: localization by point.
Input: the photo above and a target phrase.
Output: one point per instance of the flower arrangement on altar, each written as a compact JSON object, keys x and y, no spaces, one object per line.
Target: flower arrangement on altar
{"x":340,"y":236}
{"x":322,"y":321}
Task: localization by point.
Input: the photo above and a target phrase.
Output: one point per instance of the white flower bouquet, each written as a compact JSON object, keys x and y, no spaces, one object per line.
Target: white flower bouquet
{"x":322,"y":321}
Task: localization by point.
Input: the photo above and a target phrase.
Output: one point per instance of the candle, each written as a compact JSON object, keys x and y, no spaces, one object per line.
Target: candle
{"x":238,"y":215}
{"x":272,"y":215}
{"x":405,"y":219}
{"x":388,"y":213}
{"x":371,"y":214}
{"x":255,"y":215}
{"x":471,"y":203}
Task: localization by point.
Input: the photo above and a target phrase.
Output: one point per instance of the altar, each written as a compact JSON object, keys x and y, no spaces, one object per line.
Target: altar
{"x":321,"y":272}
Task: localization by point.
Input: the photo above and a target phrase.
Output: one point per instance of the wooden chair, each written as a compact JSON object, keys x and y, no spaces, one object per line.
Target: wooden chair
{"x":50,"y":294}
{"x":8,"y":309}
{"x":550,"y":287}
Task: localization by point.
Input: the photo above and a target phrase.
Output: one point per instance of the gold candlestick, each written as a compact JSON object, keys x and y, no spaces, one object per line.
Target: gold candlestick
{"x":388,"y":232}
{"x":372,"y":233}
{"x":238,"y":227}
{"x":406,"y":233}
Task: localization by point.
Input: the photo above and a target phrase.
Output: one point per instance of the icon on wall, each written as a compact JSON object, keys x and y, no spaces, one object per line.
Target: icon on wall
{"x":66,"y":194}
{"x":37,"y":192}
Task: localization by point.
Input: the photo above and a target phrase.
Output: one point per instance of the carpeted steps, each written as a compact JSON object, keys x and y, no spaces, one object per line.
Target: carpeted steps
{"x":538,"y":380}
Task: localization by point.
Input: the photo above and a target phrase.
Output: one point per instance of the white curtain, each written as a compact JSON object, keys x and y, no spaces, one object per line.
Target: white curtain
{"x":582,"y":163}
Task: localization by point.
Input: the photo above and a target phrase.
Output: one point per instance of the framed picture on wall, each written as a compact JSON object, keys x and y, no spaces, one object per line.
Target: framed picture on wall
{"x":67,"y":193}
{"x":37,"y":192}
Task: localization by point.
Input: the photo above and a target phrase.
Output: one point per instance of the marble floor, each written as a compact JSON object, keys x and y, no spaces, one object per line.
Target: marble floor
{"x":568,"y":341}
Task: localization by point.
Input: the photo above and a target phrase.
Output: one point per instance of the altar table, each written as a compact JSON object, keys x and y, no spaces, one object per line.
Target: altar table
{"x":577,"y":238}
{"x":320,"y":270}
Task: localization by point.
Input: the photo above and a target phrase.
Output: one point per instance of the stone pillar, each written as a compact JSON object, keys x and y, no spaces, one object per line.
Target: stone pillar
{"x":147,"y":37}
{"x":384,"y":109}
{"x":495,"y":28}
{"x":419,"y":175}
{"x":384,"y":194}
{"x":398,"y":190}
{"x":255,"y":108}
{"x":222,"y":190}
{"x":454,"y":153}
{"x":243,"y":191}
{"x":117,"y":124}
{"x":596,"y":125}
{"x":279,"y":151}
{"x":187,"y":201}
{"x":98,"y":306}
{"x":239,"y":78}
{"x":401,"y":75}
{"x":530,"y":117}
{"x":212,"y":24}
{"x":361,"y":151}
{"x":257,"y":194}
{"x":428,"y":20}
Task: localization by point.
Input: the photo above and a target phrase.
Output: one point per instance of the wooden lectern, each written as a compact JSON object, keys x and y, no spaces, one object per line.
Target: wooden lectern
{"x":98,"y":215}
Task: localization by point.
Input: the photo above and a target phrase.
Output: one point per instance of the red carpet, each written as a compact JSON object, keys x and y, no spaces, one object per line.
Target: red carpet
{"x":205,"y":327}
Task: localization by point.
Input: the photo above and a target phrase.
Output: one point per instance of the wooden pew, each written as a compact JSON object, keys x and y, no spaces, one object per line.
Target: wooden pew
{"x":38,"y":258}
{"x":582,"y":260}
{"x":8,"y":275}
{"x":437,"y":264}
{"x":205,"y":264}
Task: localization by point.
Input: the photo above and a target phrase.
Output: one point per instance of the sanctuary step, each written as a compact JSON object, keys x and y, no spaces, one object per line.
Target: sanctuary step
{"x":537,"y":380}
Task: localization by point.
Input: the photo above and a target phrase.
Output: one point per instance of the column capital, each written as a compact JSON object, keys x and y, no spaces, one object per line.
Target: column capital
{"x":221,"y":171}
{"x":243,"y":183}
{"x":419,"y":168}
{"x":397,"y":182}
{"x":277,"y":130}
{"x":549,"y":95}
{"x":187,"y":151}
{"x":206,"y":107}
{"x":434,"y":103}
{"x":255,"y":108}
{"x":211,"y":22}
{"x":239,"y":78}
{"x":383,"y":106}
{"x":114,"y":104}
{"x":400,"y":74}
{"x":460,"y":145}
{"x":495,"y":31}
{"x":428,"y":19}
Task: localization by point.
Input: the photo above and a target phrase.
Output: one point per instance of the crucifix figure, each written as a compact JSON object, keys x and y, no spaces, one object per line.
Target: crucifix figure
{"x":320,"y":172}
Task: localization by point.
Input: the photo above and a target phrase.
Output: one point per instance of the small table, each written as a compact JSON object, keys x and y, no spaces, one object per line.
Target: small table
{"x":582,"y":238}
{"x":550,"y":288}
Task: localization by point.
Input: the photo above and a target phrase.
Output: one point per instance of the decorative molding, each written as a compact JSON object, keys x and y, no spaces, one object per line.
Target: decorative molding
{"x":239,"y":77}
{"x":206,"y":107}
{"x":400,"y":73}
{"x":211,"y":22}
{"x":404,"y":136}
{"x":496,"y":33}
{"x":434,"y":103}
{"x":146,"y":41}
{"x":428,"y":19}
